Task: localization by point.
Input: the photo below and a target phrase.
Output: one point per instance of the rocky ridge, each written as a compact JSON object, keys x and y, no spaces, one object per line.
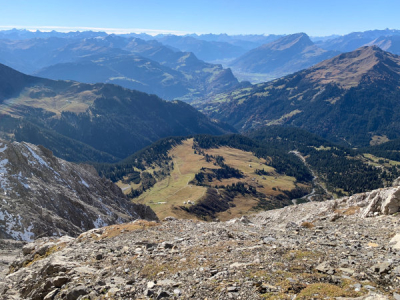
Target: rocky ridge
{"x":340,"y":249}
{"x":369,"y":63}
{"x":42,"y":195}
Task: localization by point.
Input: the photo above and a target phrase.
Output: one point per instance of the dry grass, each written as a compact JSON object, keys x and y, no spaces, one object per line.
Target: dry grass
{"x":284,"y":118}
{"x":248,"y":163}
{"x":192,"y":256}
{"x":243,"y":205}
{"x":76,"y":102}
{"x":151,"y":270}
{"x":167,"y":195}
{"x":374,"y":160}
{"x":38,"y":257}
{"x":352,"y":210}
{"x":346,"y":72}
{"x":308,"y":225}
{"x":116,"y":230}
{"x":378,"y":139}
{"x":326,"y":291}
{"x":175,"y":189}
{"x":301,"y":254}
{"x":276,"y":296}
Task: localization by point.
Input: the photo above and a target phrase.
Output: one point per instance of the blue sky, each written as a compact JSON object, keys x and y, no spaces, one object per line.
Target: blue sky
{"x":315,"y":17}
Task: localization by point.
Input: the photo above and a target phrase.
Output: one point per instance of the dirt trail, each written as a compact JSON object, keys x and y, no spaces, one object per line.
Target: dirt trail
{"x":314,"y":180}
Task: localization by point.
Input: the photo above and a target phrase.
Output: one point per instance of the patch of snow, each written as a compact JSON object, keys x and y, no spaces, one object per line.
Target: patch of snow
{"x":22,"y":180}
{"x":2,"y":166}
{"x":27,"y":235}
{"x":4,"y":183}
{"x":27,"y":186}
{"x":3,"y":148}
{"x":84,"y":183}
{"x":108,"y":211}
{"x":37,"y":157}
{"x":13,"y":226}
{"x":3,"y":215}
{"x":99,"y":222}
{"x":120,"y":220}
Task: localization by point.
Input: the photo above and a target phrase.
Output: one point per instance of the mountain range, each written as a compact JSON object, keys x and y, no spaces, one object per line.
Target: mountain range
{"x":204,"y":50}
{"x":24,"y":34}
{"x":354,"y":40}
{"x":246,"y":41}
{"x":147,"y":66}
{"x":91,"y":122}
{"x":174,"y":67}
{"x":283,"y":56}
{"x":138,"y":73}
{"x":388,"y":43}
{"x":350,"y":99}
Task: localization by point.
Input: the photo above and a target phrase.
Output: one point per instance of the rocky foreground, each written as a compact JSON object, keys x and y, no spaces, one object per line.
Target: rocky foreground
{"x":341,"y":249}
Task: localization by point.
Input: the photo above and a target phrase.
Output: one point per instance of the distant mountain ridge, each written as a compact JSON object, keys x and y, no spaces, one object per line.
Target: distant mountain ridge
{"x":23,"y":34}
{"x":134,"y":63}
{"x":387,"y":43}
{"x":286,"y":55}
{"x":129,"y":70}
{"x":354,"y":40}
{"x":246,"y":41}
{"x":204,"y":50}
{"x":351,"y":99}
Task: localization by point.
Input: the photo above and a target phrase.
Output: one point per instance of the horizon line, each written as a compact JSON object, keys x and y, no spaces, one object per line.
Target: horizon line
{"x":108,"y":30}
{"x":152,"y":32}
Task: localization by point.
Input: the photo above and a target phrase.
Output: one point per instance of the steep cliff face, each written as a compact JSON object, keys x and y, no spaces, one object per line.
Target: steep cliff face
{"x":42,"y":195}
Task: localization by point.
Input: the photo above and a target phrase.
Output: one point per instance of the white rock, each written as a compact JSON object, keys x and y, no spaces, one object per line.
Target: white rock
{"x":395,"y":242}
